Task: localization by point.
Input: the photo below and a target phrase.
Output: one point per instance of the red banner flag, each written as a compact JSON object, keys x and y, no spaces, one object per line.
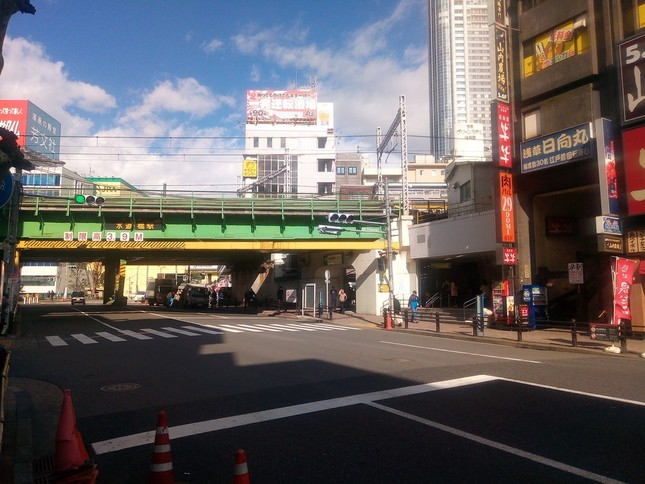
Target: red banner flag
{"x":622,"y":272}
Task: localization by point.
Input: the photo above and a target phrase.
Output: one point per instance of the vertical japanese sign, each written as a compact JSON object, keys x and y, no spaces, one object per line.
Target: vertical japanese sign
{"x":501,"y":64}
{"x":606,"y":167}
{"x":506,"y":212}
{"x":632,"y":78}
{"x":622,"y":274}
{"x":634,"y":165}
{"x":502,"y":133}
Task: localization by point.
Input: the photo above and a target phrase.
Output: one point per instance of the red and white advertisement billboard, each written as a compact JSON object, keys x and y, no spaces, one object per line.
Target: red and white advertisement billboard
{"x":502,"y":133}
{"x":634,"y":163}
{"x":505,"y":210}
{"x":281,"y":107}
{"x":35,"y":129}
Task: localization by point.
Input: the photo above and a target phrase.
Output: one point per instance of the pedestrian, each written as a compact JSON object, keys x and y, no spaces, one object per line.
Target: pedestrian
{"x":249,"y":296}
{"x":280,"y":297}
{"x":333,"y":299}
{"x":413,"y":304}
{"x":342,"y":298}
{"x":171,"y":298}
{"x":454,"y":293}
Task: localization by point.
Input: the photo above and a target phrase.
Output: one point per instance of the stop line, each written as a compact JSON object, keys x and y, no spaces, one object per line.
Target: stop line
{"x":169,"y":332}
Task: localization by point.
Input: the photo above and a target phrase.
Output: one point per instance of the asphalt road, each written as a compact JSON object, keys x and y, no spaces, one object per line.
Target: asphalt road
{"x":329,"y":402}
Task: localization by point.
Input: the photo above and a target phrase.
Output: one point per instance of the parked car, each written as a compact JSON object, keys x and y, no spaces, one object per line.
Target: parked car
{"x":78,"y":297}
{"x":139,"y":296}
{"x":191,"y":296}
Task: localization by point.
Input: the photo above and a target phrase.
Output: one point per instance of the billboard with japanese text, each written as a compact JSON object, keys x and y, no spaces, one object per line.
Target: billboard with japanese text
{"x":35,"y":129}
{"x":634,"y":165}
{"x":281,"y":107}
{"x":632,"y":78}
{"x":568,"y":145}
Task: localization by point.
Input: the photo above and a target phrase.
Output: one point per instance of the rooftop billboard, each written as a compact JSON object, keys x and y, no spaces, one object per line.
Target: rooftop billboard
{"x":35,"y":129}
{"x":281,"y":107}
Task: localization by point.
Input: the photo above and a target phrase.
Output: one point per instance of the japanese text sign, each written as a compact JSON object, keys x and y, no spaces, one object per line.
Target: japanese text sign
{"x":557,"y":148}
{"x":632,"y":78}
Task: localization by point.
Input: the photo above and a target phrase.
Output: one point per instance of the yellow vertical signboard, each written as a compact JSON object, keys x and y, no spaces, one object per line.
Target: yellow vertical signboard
{"x":250,"y":168}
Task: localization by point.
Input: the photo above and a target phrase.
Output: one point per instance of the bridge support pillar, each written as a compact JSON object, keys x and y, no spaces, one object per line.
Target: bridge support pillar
{"x":114,"y":281}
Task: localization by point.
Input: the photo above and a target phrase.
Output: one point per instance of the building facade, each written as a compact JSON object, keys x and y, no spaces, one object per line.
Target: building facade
{"x":290,"y":146}
{"x":579,"y":130}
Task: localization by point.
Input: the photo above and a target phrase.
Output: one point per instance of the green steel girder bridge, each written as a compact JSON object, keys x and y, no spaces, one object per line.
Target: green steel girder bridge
{"x":191,"y":229}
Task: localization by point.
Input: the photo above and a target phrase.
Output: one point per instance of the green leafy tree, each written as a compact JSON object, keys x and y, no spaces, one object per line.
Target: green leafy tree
{"x":10,"y":153}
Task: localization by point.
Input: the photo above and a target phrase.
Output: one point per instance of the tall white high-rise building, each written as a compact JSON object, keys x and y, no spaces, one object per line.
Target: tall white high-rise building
{"x":460,"y":78}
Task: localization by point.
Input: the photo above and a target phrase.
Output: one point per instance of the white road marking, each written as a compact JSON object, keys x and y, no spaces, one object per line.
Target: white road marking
{"x":298,"y":326}
{"x":496,"y":445}
{"x":110,"y":336}
{"x":180,"y":331}
{"x":281,"y":327}
{"x":338,"y":327}
{"x":229,"y":328}
{"x":266,"y":327}
{"x":253,"y":328}
{"x":461,"y":352}
{"x":56,"y":341}
{"x":196,"y":428}
{"x":86,"y":340}
{"x":202,"y":330}
{"x":158,"y":333}
{"x":134,"y":334}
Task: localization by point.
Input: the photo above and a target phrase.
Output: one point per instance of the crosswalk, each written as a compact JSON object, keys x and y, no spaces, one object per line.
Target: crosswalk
{"x":168,"y":332}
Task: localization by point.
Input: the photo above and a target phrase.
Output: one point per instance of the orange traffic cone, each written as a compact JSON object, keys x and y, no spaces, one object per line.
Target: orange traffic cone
{"x":161,"y":466}
{"x":70,"y":452}
{"x":241,"y":474}
{"x":388,"y":320}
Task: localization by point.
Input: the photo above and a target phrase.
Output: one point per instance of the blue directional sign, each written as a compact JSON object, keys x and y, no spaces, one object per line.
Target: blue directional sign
{"x":6,"y":189}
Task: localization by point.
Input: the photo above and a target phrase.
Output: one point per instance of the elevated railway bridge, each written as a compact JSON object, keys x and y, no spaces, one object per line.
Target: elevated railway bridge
{"x":239,"y":232}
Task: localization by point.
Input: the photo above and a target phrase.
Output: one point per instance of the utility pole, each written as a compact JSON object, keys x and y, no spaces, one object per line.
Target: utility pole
{"x":390,"y":275}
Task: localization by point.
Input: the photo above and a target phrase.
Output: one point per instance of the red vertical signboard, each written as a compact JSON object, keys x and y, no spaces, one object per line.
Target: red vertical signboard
{"x":506,"y":212}
{"x":622,"y":276}
{"x":634,"y":164}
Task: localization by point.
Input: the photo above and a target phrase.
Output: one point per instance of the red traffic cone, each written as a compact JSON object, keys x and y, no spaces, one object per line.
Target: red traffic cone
{"x":70,"y":452}
{"x":241,"y":474}
{"x":161,"y":466}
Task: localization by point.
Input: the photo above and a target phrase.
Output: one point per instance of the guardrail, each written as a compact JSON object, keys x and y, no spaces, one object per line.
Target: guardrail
{"x":595,"y":332}
{"x":296,"y":205}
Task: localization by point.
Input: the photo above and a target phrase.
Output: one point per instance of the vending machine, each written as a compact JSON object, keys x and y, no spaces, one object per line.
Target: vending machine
{"x":535,"y":297}
{"x":502,"y":306}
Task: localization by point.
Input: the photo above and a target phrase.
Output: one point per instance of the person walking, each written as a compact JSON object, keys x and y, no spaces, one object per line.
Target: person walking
{"x":413,"y":304}
{"x":333,"y":299}
{"x":342,"y":298}
{"x":454,"y":294}
{"x":280,"y":298}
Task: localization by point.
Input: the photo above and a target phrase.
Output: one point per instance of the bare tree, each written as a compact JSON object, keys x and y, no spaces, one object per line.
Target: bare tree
{"x":7,"y":9}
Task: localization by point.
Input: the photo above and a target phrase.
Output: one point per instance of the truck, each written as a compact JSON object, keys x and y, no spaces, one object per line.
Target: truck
{"x":157,"y":291}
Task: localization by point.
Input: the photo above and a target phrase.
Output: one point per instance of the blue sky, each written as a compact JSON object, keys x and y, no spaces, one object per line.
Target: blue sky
{"x":154,"y":91}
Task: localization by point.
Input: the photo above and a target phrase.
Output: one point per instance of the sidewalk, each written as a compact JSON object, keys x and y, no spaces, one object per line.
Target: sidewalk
{"x":33,"y":407}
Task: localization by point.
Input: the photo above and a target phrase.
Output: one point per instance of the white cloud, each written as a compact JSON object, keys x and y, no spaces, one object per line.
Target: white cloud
{"x":212,"y":46}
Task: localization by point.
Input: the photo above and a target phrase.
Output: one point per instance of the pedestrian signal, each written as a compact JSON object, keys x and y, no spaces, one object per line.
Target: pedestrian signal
{"x":340,"y":218}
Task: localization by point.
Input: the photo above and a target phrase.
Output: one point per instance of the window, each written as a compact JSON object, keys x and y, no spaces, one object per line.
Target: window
{"x":325,"y":189}
{"x":633,"y":16}
{"x":269,"y":142}
{"x":322,"y":142}
{"x":283,"y":142}
{"x":464,"y":191}
{"x":566,"y":40}
{"x":340,"y":170}
{"x":256,"y":142}
{"x":531,"y":122}
{"x":352,"y":170}
{"x":325,"y":165}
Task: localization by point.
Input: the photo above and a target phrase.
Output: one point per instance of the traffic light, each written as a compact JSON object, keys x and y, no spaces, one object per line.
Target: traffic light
{"x":340,"y":218}
{"x":89,"y":199}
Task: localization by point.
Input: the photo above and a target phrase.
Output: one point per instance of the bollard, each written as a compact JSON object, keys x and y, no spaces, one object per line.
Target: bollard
{"x":405,"y":318}
{"x":474,"y":325}
{"x":574,"y":333}
{"x":437,"y":323}
{"x":623,"y":337}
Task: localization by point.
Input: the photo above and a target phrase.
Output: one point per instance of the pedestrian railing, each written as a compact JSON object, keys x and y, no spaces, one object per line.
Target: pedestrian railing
{"x":596,"y":332}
